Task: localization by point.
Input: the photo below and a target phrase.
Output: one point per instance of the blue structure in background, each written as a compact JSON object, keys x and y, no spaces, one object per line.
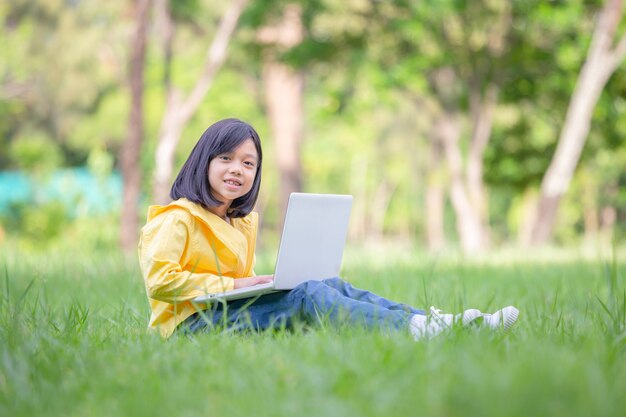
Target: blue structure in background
{"x":80,"y":191}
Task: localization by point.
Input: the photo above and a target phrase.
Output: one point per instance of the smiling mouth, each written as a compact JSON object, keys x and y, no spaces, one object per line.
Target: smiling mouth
{"x":234,"y":183}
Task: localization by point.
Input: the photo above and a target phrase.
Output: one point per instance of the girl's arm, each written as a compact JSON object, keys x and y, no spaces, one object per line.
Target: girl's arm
{"x":160,"y":251}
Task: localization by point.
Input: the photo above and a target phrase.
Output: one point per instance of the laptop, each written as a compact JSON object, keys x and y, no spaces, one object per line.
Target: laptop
{"x":311,"y":245}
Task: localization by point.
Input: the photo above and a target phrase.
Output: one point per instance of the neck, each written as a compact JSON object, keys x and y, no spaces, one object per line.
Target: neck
{"x":220,"y":211}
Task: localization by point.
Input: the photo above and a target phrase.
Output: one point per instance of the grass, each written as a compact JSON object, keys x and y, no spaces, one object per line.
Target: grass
{"x":73,"y":343}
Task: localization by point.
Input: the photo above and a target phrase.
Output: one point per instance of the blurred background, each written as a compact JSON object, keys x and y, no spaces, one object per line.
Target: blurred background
{"x":456,"y":125}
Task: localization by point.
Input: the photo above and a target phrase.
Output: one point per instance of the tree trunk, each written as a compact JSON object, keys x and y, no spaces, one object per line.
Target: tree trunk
{"x":435,"y":197}
{"x":131,"y":149}
{"x":602,"y":60}
{"x":465,"y":186}
{"x":180,"y":110}
{"x":608,"y":218}
{"x":467,"y":219}
{"x":482,"y":117}
{"x":284,"y":98}
{"x":608,"y":214}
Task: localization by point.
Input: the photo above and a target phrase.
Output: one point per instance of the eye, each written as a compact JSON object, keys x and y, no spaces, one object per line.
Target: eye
{"x":249,"y":164}
{"x":223,"y":158}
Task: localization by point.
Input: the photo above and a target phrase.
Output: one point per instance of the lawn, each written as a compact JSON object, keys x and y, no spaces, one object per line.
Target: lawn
{"x":73,"y":343}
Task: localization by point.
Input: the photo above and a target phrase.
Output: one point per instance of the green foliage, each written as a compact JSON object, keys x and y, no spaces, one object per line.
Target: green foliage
{"x":65,"y":208}
{"x":520,"y":148}
{"x":35,"y":152}
{"x":37,"y":225}
{"x":185,"y":10}
{"x":552,"y":40}
{"x":370,"y":96}
{"x":61,"y":62}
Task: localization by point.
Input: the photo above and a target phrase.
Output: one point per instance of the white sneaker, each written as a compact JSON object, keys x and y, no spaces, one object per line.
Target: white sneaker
{"x":426,"y":327}
{"x":501,"y":319}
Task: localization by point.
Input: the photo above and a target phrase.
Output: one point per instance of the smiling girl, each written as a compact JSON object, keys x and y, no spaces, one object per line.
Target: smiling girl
{"x":204,"y":242}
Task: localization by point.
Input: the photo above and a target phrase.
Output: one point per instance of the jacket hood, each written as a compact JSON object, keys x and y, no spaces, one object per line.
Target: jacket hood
{"x":205,"y":216}
{"x":195,"y":209}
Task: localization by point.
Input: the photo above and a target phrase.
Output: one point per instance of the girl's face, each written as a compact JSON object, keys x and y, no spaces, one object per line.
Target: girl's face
{"x":231,"y":175}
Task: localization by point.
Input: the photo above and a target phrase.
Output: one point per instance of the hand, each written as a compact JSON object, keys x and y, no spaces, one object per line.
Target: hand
{"x":249,"y":282}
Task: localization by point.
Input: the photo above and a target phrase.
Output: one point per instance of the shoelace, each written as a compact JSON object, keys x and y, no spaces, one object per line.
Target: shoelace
{"x":435,"y":313}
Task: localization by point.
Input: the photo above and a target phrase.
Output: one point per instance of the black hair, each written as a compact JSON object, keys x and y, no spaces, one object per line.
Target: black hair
{"x":192,"y":181}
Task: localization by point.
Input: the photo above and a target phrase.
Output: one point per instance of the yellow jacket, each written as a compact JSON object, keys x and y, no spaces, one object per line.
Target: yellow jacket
{"x":186,"y":251}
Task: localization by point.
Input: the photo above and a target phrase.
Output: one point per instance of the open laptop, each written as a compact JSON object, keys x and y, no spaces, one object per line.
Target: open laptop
{"x":311,"y":246}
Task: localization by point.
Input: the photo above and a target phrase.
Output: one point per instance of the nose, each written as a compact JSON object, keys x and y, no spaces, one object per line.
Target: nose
{"x":235,"y":169}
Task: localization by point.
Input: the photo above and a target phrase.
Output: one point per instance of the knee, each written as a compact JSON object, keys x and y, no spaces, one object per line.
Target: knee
{"x":308,"y":287}
{"x":315,"y":290}
{"x":333,"y":282}
{"x":303,"y":292}
{"x":336,"y":283}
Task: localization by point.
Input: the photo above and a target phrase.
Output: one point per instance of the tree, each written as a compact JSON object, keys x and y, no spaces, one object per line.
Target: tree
{"x":179,"y":109}
{"x":294,"y":39}
{"x":603,"y":58}
{"x":458,"y":50}
{"x":59,"y":63}
{"x":131,"y":149}
{"x":284,"y":97}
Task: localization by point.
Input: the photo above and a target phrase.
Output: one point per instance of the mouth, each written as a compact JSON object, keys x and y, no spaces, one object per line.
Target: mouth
{"x":233,"y":182}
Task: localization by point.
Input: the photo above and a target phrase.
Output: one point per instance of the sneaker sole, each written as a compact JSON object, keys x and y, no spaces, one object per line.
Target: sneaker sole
{"x":511,"y":314}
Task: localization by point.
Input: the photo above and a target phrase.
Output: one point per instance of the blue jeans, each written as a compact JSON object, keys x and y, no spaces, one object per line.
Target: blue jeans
{"x":311,"y":302}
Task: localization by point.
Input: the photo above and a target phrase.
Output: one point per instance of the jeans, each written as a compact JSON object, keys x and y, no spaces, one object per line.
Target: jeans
{"x":311,"y":302}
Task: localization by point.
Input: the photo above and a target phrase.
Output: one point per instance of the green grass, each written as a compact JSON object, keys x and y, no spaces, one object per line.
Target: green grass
{"x":73,"y":343}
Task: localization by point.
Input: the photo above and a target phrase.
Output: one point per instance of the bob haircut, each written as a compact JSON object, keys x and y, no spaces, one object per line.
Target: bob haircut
{"x":192,"y":181}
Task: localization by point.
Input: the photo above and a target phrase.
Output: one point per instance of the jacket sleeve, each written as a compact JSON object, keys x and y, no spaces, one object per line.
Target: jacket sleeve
{"x":162,"y":245}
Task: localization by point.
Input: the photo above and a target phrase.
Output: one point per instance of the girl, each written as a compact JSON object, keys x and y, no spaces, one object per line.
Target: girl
{"x":204,"y":242}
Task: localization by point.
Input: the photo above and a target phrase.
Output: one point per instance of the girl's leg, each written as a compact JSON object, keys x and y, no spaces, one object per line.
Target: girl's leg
{"x":311,"y":302}
{"x":362,"y":295}
{"x":317,"y":301}
{"x":271,"y":311}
